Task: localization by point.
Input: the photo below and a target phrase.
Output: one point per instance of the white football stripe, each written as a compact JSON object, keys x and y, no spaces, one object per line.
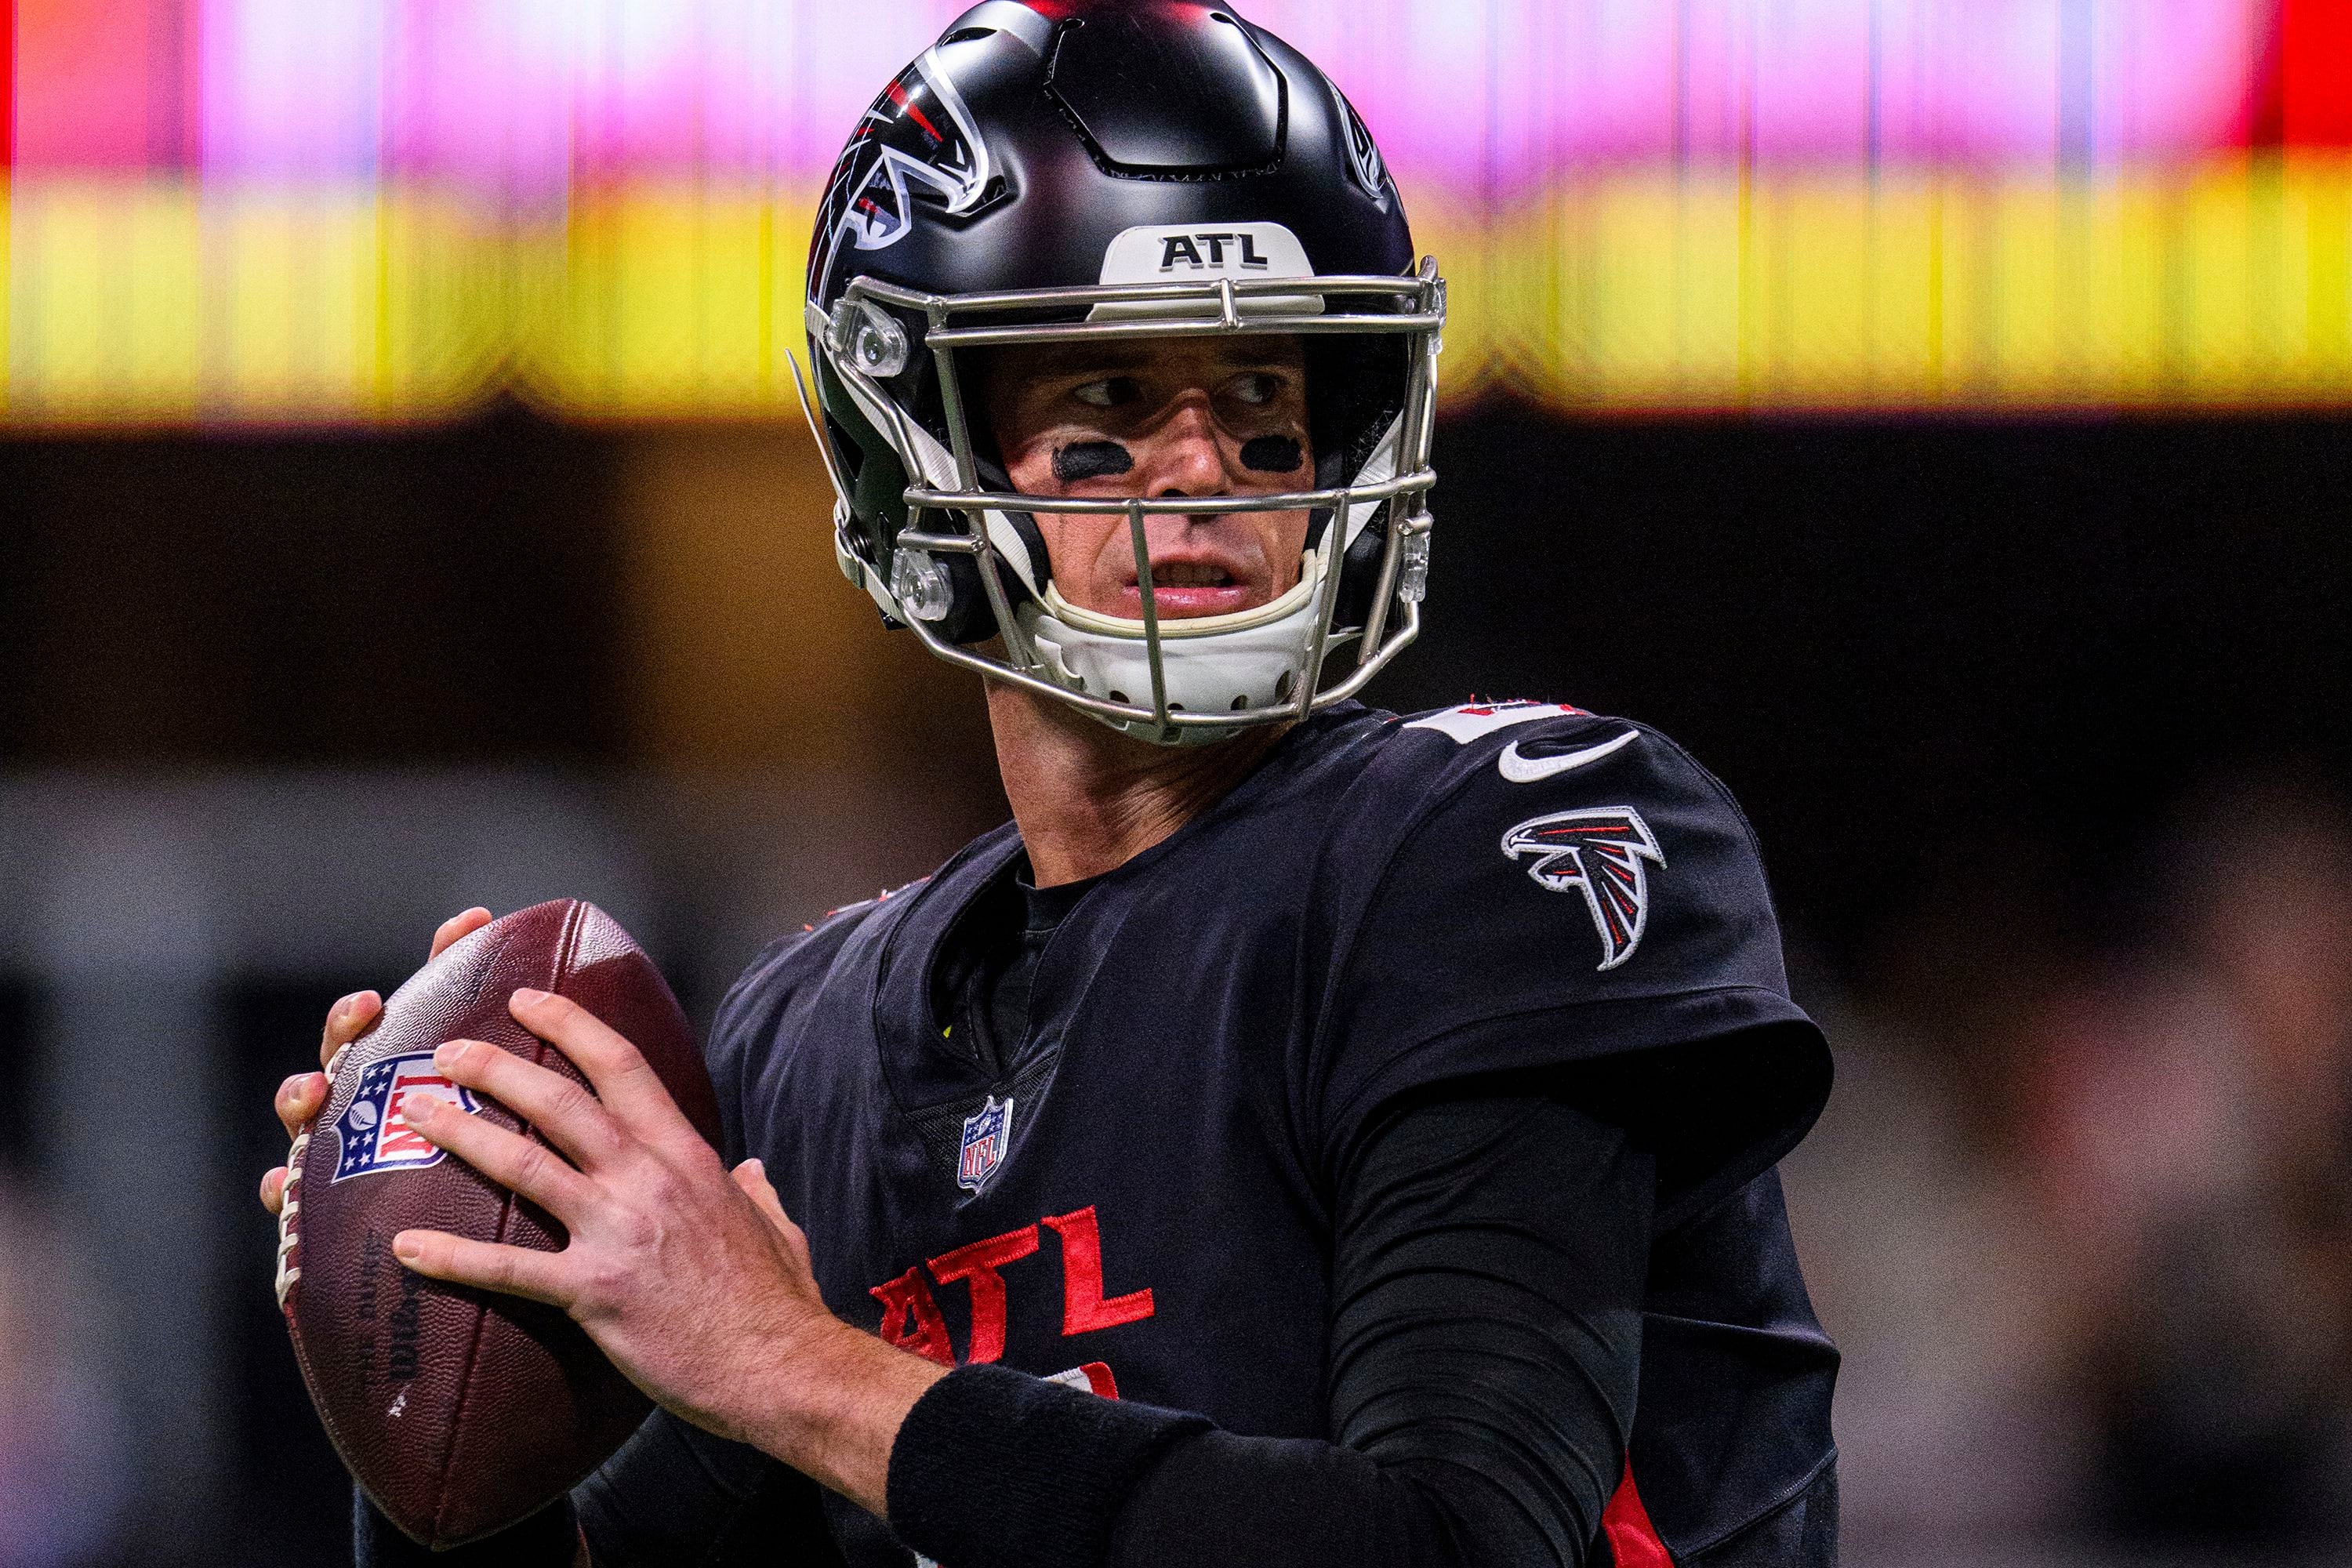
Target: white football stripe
{"x":1463,"y":725}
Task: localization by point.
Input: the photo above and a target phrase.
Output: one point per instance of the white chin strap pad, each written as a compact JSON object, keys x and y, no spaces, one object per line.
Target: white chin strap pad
{"x":1255,"y":667}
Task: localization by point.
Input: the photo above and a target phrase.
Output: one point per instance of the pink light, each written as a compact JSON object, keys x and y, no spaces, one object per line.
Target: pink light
{"x":293,"y":89}
{"x":100,"y":84}
{"x":524,"y":97}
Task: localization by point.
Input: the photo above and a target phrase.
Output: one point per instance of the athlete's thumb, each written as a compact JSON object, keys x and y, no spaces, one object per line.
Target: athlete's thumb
{"x":752,"y":1177}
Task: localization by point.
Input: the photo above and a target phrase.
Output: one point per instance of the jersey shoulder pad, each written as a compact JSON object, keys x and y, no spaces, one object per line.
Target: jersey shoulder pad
{"x":800,"y":957}
{"x":787,"y":971}
{"x":1481,"y":804}
{"x":1538,"y":885}
{"x":1517,"y":742}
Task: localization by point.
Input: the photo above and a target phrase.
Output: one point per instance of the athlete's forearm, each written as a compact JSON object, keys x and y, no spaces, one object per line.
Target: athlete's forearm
{"x":838,"y":1398}
{"x":998,"y":1470}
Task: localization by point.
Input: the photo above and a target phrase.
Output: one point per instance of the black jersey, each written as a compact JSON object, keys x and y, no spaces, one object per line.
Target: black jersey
{"x":1134,"y":1197}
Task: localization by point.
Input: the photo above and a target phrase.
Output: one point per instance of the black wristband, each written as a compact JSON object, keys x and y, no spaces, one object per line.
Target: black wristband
{"x":547,"y":1539}
{"x":994,"y":1467}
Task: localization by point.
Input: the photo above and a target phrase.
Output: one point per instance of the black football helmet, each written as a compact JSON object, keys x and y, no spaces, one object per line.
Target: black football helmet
{"x":1053,"y":169}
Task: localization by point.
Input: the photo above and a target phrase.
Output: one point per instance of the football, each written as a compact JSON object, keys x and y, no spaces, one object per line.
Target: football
{"x":460,"y":1411}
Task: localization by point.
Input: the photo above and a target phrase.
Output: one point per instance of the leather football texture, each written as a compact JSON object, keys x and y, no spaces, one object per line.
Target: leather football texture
{"x":461,"y":1410}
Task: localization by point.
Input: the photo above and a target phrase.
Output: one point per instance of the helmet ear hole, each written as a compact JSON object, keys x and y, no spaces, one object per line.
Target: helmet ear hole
{"x":847,"y":452}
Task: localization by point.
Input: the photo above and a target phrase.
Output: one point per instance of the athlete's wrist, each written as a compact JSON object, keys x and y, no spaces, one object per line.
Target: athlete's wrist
{"x":831,"y":1403}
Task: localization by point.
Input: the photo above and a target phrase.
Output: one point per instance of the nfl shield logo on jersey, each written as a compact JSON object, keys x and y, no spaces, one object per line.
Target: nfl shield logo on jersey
{"x":375,"y":1135}
{"x":986,"y":1133}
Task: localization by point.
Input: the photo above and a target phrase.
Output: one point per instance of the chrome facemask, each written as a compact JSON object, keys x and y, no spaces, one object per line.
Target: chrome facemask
{"x":950,"y":514}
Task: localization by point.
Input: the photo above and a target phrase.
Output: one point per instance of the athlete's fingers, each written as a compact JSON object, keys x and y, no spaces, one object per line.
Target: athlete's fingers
{"x":624,"y":1080}
{"x":514,"y":1270}
{"x":508,"y":1158}
{"x":558,"y":1106}
{"x":298,"y":1099}
{"x":455,"y":928}
{"x":273,"y":1188}
{"x":345,"y":1019}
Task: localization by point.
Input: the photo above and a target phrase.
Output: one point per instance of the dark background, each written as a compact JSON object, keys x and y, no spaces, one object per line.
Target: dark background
{"x":1965,"y":677}
{"x":1917,"y":652}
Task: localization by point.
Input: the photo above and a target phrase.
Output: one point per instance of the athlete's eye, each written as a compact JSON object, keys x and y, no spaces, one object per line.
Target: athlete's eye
{"x":1111,"y":392}
{"x":1257,"y":389}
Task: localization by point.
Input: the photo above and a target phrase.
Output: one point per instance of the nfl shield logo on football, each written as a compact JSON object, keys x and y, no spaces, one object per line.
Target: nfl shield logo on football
{"x":375,"y":1135}
{"x":986,"y":1133}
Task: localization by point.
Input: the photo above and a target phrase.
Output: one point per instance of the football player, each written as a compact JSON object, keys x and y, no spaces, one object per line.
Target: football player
{"x":1304,"y":1134}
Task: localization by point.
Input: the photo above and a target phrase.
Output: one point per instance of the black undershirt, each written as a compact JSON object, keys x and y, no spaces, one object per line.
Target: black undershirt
{"x":980,"y":994}
{"x":1489,"y":1252}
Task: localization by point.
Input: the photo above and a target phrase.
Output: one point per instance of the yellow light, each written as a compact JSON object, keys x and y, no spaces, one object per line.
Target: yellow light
{"x":157,"y":301}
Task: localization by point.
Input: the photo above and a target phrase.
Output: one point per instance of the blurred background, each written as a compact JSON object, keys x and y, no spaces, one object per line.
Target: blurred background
{"x":1932,"y":412}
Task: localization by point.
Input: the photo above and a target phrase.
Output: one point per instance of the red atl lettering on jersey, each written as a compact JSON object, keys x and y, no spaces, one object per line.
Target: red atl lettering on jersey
{"x":910,"y":1318}
{"x":1082,"y":1307}
{"x":910,"y":1314}
{"x":977,"y":1265}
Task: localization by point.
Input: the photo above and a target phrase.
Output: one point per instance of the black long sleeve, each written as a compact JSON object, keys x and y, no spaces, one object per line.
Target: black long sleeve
{"x":1489,"y":1258}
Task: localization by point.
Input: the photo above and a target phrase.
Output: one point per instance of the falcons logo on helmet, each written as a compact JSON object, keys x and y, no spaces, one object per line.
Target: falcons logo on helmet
{"x":1598,"y":852}
{"x":918,"y":139}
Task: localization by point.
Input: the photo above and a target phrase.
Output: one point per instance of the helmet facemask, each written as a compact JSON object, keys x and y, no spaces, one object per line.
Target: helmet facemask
{"x":969,"y":561}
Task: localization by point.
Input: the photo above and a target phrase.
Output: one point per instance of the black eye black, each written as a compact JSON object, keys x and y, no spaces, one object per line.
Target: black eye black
{"x":1273,"y":454}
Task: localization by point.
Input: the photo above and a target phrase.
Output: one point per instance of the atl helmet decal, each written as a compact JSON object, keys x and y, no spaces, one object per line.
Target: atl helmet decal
{"x":1598,"y":852}
{"x":986,"y":1133}
{"x":918,"y":133}
{"x":374,"y":1135}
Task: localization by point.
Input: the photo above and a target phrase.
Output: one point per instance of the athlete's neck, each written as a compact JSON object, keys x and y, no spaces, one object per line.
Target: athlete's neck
{"x":1087,"y":799}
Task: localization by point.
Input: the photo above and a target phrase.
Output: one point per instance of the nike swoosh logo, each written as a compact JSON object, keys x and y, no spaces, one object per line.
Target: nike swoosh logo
{"x":1528,"y":770}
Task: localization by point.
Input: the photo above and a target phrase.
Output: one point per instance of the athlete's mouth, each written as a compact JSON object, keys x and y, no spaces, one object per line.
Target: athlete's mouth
{"x":1190,"y":574}
{"x":1203,"y":581}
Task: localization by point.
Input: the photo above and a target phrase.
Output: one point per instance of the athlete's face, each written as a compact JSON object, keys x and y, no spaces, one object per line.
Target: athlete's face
{"x":1184,"y":417}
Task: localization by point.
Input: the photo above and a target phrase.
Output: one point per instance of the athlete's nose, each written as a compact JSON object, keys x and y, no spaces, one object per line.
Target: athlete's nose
{"x":1183,"y":457}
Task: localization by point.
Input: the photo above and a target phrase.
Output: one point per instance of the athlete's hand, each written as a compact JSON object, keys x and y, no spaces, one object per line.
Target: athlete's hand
{"x":300,"y":1096}
{"x":689,"y":1275}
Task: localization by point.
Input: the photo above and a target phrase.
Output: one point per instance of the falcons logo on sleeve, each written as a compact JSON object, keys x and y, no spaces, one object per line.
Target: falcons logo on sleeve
{"x":1598,"y":852}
